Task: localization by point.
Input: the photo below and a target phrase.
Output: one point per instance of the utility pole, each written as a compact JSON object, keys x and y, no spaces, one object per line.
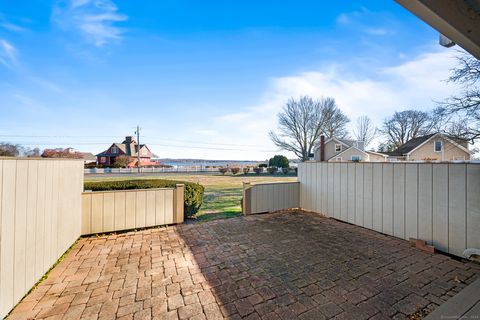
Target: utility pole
{"x":138,"y":148}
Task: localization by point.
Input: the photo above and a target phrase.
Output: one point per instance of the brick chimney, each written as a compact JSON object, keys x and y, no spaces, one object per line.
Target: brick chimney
{"x":128,"y":139}
{"x":322,"y":148}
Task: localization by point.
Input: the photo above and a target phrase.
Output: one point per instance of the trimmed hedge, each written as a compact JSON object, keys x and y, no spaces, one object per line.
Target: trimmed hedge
{"x":193,"y":195}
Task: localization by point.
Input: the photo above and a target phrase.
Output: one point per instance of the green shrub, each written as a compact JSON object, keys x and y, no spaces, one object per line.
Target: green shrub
{"x":285,"y":170}
{"x":193,"y":195}
{"x":278,"y":161}
{"x":262,"y":165}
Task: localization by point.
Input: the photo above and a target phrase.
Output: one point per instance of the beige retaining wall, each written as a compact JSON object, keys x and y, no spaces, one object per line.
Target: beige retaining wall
{"x":107,"y":211}
{"x":40,"y":218}
{"x":436,"y":202}
{"x":269,"y":197}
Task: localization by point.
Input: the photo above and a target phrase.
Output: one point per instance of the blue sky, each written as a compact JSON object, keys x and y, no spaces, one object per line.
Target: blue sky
{"x":205,"y":79}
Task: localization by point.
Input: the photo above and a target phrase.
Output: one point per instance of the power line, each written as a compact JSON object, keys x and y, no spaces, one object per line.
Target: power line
{"x":153,"y":144}
{"x":149,"y":137}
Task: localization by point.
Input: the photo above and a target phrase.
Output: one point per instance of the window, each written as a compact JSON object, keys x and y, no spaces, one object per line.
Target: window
{"x":338,"y":147}
{"x":114,"y":150}
{"x":356,"y":158}
{"x":144,"y":152}
{"x":339,"y":158}
{"x":103,"y":159}
{"x":438,"y":145}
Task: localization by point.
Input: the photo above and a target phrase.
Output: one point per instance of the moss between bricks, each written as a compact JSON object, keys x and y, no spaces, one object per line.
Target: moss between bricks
{"x":193,"y":194}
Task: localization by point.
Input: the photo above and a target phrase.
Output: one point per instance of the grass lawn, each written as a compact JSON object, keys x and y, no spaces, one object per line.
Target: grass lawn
{"x":222,"y":193}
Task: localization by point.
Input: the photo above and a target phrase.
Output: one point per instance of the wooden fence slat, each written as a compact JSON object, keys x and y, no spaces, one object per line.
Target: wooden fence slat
{"x":31,"y":220}
{"x":343,"y":198}
{"x":140,"y":211}
{"x":388,"y":199}
{"x":457,"y":209}
{"x":440,"y":206}
{"x":350,"y":200}
{"x":377,"y":200}
{"x":169,"y":207}
{"x":7,"y":245}
{"x":21,"y":189}
{"x":359,"y":195}
{"x":399,"y":200}
{"x":108,"y":212}
{"x":368,"y":196}
{"x":40,"y":220}
{"x":411,"y":201}
{"x":120,"y":210}
{"x":160,"y":207}
{"x":86,"y":213}
{"x":473,"y":206}
{"x":150,"y":208}
{"x":130,"y":210}
{"x":425,"y":202}
{"x":324,"y":189}
{"x":97,"y":212}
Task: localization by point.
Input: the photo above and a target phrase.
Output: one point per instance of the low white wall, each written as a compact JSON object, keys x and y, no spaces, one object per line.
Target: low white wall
{"x":40,"y":218}
{"x":106,"y":211}
{"x":269,"y":197}
{"x":436,"y":202}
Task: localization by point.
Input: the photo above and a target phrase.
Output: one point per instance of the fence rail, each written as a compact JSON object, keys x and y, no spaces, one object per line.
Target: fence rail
{"x":106,"y":211}
{"x":40,"y":210}
{"x":439,"y":203}
{"x":270,"y":197}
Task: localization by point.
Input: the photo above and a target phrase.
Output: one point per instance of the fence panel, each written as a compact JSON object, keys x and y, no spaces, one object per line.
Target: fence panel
{"x":270,"y":197}
{"x":40,"y":210}
{"x":436,"y":202}
{"x":106,"y":211}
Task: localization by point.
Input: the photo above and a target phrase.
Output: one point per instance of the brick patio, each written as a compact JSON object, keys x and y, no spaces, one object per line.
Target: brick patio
{"x":284,"y":265}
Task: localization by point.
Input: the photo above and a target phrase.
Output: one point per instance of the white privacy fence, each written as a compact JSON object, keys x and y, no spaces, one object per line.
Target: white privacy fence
{"x":43,"y":212}
{"x":439,"y":203}
{"x":40,"y":218}
{"x":269,"y":197}
{"x":106,"y":211}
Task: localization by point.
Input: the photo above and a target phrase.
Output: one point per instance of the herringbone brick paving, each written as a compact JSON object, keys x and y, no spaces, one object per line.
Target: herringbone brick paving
{"x":291,"y":265}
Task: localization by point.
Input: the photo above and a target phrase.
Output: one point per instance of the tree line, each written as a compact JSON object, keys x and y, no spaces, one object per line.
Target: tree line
{"x":302,"y":121}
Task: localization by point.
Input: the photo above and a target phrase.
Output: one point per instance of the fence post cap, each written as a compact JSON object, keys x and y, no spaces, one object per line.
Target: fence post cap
{"x":180,"y":185}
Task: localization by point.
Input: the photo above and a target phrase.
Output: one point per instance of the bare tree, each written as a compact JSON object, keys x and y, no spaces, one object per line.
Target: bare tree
{"x":462,"y":112}
{"x":335,"y":120}
{"x":9,"y":150}
{"x":364,"y":130}
{"x":302,"y":122}
{"x":405,"y":125}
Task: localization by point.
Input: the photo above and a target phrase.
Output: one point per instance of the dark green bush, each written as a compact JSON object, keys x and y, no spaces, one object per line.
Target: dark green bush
{"x":278,"y":161}
{"x":193,"y":195}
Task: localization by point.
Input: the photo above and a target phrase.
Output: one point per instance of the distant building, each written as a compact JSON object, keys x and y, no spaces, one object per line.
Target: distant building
{"x":129,"y":148}
{"x":70,"y":153}
{"x":335,"y":150}
{"x":432,"y":147}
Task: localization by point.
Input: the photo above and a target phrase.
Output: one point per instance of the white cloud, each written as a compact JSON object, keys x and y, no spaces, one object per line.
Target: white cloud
{"x":7,"y":25}
{"x":95,"y":20}
{"x":8,"y":53}
{"x":414,"y":84}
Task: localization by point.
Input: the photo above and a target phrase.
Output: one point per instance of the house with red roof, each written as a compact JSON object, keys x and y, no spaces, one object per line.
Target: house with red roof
{"x":128,"y":148}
